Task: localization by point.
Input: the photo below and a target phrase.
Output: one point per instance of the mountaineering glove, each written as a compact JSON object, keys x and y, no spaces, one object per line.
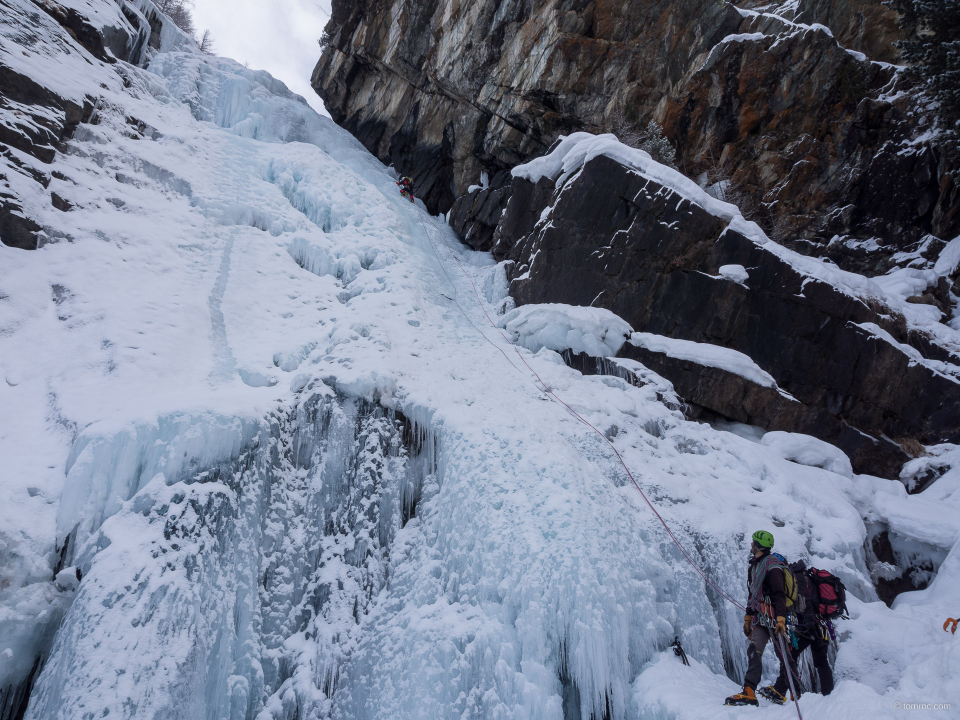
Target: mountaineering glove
{"x":747,"y":624}
{"x":781,"y":625}
{"x":953,"y":622}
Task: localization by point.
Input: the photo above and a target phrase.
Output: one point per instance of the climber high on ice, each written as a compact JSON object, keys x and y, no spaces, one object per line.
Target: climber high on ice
{"x":769,"y":601}
{"x":406,"y":188}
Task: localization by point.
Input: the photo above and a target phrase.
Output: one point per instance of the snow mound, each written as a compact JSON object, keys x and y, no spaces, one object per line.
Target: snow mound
{"x":594,"y":331}
{"x":737,"y":273}
{"x":705,"y":354}
{"x":923,"y":523}
{"x":807,"y":450}
{"x":940,"y":460}
{"x":668,"y":690}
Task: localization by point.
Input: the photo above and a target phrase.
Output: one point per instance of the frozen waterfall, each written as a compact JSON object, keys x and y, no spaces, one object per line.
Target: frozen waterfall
{"x":242,"y":397}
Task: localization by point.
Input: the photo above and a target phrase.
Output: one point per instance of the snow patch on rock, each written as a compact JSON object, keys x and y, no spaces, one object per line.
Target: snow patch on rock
{"x":737,"y":273}
{"x":577,"y":149}
{"x":594,"y":331}
{"x":705,"y":354}
{"x":949,"y":258}
{"x":807,"y":450}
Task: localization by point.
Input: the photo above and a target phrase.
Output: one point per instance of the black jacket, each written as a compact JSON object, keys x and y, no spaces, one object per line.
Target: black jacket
{"x":773,"y":586}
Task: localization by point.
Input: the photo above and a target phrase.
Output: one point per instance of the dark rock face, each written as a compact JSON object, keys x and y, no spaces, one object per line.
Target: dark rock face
{"x":621,"y":241}
{"x":475,"y":215}
{"x":795,"y":123}
{"x":446,"y":90}
{"x":79,"y":28}
{"x":50,"y":119}
{"x":867,"y":26}
{"x":33,"y":120}
{"x":819,"y":145}
{"x":36,"y":120}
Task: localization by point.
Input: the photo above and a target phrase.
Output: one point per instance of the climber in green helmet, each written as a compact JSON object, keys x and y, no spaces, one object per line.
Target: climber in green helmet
{"x":763,"y":539}
{"x":766,"y":612}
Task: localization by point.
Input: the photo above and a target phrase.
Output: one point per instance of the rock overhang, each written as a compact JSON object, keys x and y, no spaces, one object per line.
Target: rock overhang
{"x":592,"y":223}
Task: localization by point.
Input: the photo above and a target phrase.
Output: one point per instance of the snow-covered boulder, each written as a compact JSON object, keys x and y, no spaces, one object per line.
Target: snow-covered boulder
{"x":594,"y":331}
{"x":807,"y":450}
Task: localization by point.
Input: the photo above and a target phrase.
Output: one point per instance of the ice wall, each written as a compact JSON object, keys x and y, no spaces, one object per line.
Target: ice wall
{"x":252,"y":579}
{"x":236,"y":585}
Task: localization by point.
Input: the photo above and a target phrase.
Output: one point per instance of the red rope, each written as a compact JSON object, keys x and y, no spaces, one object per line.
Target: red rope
{"x":547,"y":389}
{"x":720,"y":591}
{"x":786,"y":659}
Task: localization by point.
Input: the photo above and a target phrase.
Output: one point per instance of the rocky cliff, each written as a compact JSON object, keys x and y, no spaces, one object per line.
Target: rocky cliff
{"x":595,"y":223}
{"x":791,"y":110}
{"x":36,"y":119}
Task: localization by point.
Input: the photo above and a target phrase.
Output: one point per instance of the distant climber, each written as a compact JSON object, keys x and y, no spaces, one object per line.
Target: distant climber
{"x":953,"y":622}
{"x":769,"y":601}
{"x":406,"y":188}
{"x":813,"y":629}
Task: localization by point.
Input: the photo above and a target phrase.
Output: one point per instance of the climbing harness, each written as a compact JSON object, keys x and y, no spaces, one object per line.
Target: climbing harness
{"x":550,"y":392}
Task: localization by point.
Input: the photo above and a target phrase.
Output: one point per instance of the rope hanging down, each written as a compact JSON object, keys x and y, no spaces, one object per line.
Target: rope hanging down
{"x":784,"y":658}
{"x":550,"y":392}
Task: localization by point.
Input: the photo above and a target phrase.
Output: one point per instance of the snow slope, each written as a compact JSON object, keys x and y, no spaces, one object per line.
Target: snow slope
{"x":250,"y":394}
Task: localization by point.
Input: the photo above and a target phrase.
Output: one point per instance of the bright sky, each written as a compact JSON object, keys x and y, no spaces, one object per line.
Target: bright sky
{"x":279,"y":36}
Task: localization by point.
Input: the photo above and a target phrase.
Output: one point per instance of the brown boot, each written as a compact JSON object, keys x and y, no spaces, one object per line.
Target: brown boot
{"x":745,"y":697}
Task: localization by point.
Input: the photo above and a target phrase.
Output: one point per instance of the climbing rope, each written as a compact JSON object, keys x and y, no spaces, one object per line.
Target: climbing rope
{"x":551,"y":393}
{"x":784,"y":658}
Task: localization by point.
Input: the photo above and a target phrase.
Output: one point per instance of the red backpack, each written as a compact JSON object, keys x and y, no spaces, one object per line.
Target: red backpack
{"x":829,"y":594}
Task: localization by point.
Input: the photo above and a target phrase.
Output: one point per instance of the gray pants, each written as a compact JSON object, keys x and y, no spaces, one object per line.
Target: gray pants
{"x":758,"y":643}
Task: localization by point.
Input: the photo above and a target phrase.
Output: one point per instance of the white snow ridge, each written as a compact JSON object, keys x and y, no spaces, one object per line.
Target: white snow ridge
{"x":240,"y":398}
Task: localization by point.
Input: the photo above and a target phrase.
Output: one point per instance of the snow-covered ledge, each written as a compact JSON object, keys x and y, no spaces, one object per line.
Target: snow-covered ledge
{"x":705,"y":354}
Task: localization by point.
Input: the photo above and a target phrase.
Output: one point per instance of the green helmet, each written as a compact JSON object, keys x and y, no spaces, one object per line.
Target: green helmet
{"x":763,"y":539}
